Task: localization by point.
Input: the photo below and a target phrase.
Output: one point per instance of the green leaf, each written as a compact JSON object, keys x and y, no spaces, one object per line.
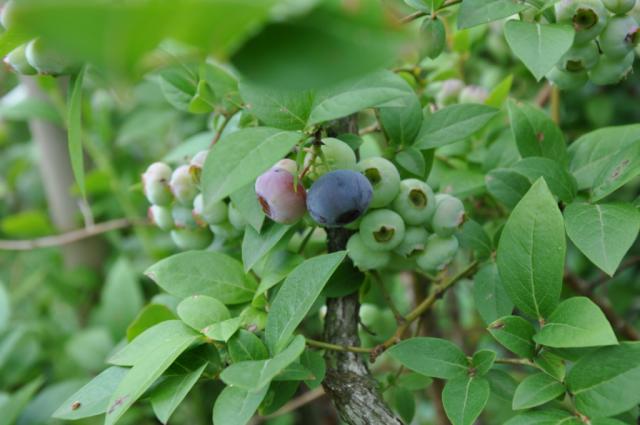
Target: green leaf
{"x":551,"y":364}
{"x":199,"y":311}
{"x":246,"y":201}
{"x":236,"y":406}
{"x":224,"y":330}
{"x":591,"y":153}
{"x":502,"y":385}
{"x":535,"y":133}
{"x":433,"y":35}
{"x":507,"y":186}
{"x":482,"y":361}
{"x":74,"y":131}
{"x":474,"y":236}
{"x":145,"y":372}
{"x":539,"y":46}
{"x":619,"y":170}
{"x":515,"y":334}
{"x":491,"y":299}
{"x":561,"y":183}
{"x":13,"y":407}
{"x":150,"y":316}
{"x":434,"y":357}
{"x":255,"y":374}
{"x":94,"y":397}
{"x":414,"y":381}
{"x":401,"y":124}
{"x":478,"y":12}
{"x":602,"y":232}
{"x":382,"y":88}
{"x":314,"y":362}
{"x":535,"y":390}
{"x":464,"y":399}
{"x":452,"y":124}
{"x":245,"y":345}
{"x":531,"y":253}
{"x":121,"y":298}
{"x":413,"y":160}
{"x":204,"y":273}
{"x":500,"y":93}
{"x":5,"y":307}
{"x":545,"y":417}
{"x":153,"y":339}
{"x":576,"y":322}
{"x":403,"y":402}
{"x":167,"y":396}
{"x":276,"y":266}
{"x":288,"y":110}
{"x":296,"y":296}
{"x":256,"y":245}
{"x":607,"y":391}
{"x":239,"y":157}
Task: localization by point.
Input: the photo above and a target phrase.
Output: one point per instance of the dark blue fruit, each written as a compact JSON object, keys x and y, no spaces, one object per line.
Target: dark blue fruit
{"x":339,"y":197}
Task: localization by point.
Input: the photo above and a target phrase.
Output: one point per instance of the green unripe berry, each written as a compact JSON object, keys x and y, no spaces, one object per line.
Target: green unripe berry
{"x":7,"y":14}
{"x":620,"y":37}
{"x":196,"y":164}
{"x":382,"y":230}
{"x":187,"y":239}
{"x":161,"y":217}
{"x":588,"y":17}
{"x":619,"y":7}
{"x":363,"y":257}
{"x":225,"y":230}
{"x":46,"y":59}
{"x":215,"y":213}
{"x":384,"y":178}
{"x":336,"y":155}
{"x":566,"y":80}
{"x":414,"y":242}
{"x":473,"y":94}
{"x":448,"y":216}
{"x":183,"y":186}
{"x":235,"y":218}
{"x":611,"y":71}
{"x":183,"y":217}
{"x":438,"y":253}
{"x":155,"y":184}
{"x":17,"y":61}
{"x":415,"y":202}
{"x":580,"y":57}
{"x":449,"y":92}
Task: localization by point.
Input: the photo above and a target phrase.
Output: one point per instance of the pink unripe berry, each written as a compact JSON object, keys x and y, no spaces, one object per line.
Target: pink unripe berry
{"x":287,"y":164}
{"x":183,"y":186}
{"x":280,"y":200}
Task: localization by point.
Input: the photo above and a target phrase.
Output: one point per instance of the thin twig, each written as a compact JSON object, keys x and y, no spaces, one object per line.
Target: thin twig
{"x":436,"y":293}
{"x":335,"y":347}
{"x":293,"y":405}
{"x":605,"y":278}
{"x":227,"y":119}
{"x":555,"y":104}
{"x":543,"y":95}
{"x":65,"y":238}
{"x":412,"y":17}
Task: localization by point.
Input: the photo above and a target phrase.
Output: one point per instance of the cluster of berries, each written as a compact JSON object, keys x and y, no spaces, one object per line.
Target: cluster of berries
{"x":455,"y":91}
{"x":603,"y":48}
{"x":391,"y":216}
{"x":177,"y":205}
{"x":36,"y":56}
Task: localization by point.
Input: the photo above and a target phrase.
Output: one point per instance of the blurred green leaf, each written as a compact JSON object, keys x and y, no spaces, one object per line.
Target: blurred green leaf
{"x":168,"y":395}
{"x":17,"y":401}
{"x":478,"y":12}
{"x":74,"y":130}
{"x":26,"y":224}
{"x":256,"y":245}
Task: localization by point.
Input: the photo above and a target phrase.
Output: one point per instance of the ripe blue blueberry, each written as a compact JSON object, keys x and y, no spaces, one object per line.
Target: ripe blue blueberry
{"x":415,"y":202}
{"x":155,"y":184}
{"x":363,"y":257}
{"x":339,"y":197}
{"x":588,"y":17}
{"x":620,"y":37}
{"x":382,"y":230}
{"x":384,"y":178}
{"x":281,"y":201}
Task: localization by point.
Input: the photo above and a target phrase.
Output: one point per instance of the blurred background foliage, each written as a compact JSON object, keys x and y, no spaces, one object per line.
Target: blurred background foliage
{"x":59,"y":323}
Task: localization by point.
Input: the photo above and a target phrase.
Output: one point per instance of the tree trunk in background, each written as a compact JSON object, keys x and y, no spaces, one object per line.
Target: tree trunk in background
{"x":348,"y":382}
{"x":57,"y":178}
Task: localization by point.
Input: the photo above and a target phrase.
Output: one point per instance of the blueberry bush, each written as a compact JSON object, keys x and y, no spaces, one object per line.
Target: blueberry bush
{"x":374,"y":212}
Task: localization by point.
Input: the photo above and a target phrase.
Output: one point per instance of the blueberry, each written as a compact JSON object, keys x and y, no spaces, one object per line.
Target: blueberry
{"x":17,"y":61}
{"x":438,"y":253}
{"x":382,"y":230}
{"x":287,"y":164}
{"x":196,"y":164}
{"x":336,"y":155}
{"x":448,"y":216}
{"x":187,"y":239}
{"x":384,"y":178}
{"x":363,"y":257}
{"x":414,"y":242}
{"x":47,"y":59}
{"x":473,"y":94}
{"x":215,"y":213}
{"x":183,"y":186}
{"x":161,"y":217}
{"x":566,"y":80}
{"x":183,"y":217}
{"x":611,"y":71}
{"x":280,"y":200}
{"x":7,"y":14}
{"x":449,"y":92}
{"x":620,"y":37}
{"x":155,"y":184}
{"x":415,"y":202}
{"x":619,"y":7}
{"x":588,"y":17}
{"x":339,"y":197}
{"x":580,"y":57}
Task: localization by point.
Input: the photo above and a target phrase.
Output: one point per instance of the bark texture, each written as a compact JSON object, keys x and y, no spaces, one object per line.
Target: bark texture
{"x":348,"y":382}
